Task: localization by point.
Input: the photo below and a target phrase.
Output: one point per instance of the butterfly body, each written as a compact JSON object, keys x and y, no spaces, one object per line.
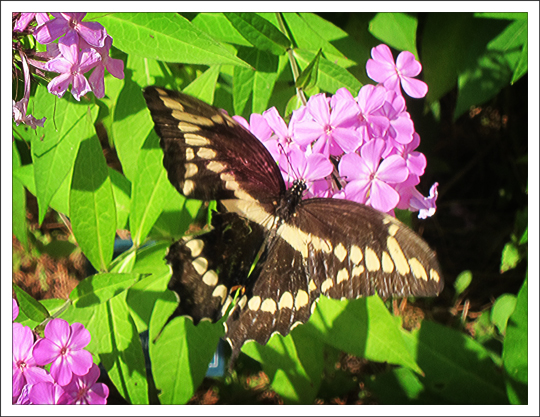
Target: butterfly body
{"x":300,"y":249}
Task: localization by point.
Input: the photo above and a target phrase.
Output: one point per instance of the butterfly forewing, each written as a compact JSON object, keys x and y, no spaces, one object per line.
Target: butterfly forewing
{"x":209,"y":156}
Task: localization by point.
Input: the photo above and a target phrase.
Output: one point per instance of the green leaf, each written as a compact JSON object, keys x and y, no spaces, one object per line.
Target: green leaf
{"x":400,"y":386}
{"x":312,"y":32}
{"x":165,"y":37}
{"x":331,"y":76}
{"x":515,"y":349}
{"x":151,"y":188}
{"x":93,"y":211}
{"x":510,"y":257}
{"x":502,"y":309}
{"x":220,"y":28}
{"x":259,"y":32}
{"x":258,"y":84}
{"x":122,"y":354}
{"x":397,"y":30}
{"x":462,"y":282}
{"x":122,"y":197}
{"x":293,"y":363}
{"x":18,"y":206}
{"x":181,"y":354}
{"x":524,"y":237}
{"x":69,"y":122}
{"x":32,"y":308}
{"x":100,"y":288}
{"x":362,"y":327}
{"x":308,"y":77}
{"x":493,"y":67}
{"x":523,"y":64}
{"x":458,"y":369}
{"x":204,"y":85}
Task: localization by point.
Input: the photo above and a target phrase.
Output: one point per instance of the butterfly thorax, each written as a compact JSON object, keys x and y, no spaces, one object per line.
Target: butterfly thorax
{"x":290,"y":201}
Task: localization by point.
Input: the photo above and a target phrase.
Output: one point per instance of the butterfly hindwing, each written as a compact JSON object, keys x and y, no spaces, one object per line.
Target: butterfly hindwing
{"x":207,"y":268}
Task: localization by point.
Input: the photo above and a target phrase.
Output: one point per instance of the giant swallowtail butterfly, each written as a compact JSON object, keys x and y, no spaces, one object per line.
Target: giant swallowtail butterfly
{"x":306,"y":248}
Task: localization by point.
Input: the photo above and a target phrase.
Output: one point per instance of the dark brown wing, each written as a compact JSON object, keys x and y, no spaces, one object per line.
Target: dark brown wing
{"x":209,"y":156}
{"x":338,"y":248}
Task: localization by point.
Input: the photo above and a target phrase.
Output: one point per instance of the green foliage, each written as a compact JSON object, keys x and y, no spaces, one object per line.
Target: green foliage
{"x":241,"y":61}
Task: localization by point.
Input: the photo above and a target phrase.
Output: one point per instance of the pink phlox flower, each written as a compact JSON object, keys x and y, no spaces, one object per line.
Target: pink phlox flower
{"x":372,"y":123}
{"x":47,"y":393}
{"x":63,"y":346}
{"x":278,"y":126}
{"x":330,"y":128}
{"x":401,"y":127}
{"x":71,"y":24}
{"x":25,"y":368}
{"x":86,"y":390}
{"x":383,"y":69}
{"x":312,"y":168}
{"x":25,"y":18}
{"x":369,"y":178}
{"x":71,"y":65}
{"x":114,"y":66}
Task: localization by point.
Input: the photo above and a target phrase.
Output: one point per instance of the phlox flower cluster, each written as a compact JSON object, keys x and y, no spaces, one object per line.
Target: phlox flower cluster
{"x":72,"y":376}
{"x":359,"y":148}
{"x":74,"y":48}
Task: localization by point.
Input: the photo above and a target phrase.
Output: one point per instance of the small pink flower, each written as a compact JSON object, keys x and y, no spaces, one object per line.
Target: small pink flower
{"x":64,"y":345}
{"x":370,"y":179}
{"x":383,"y":69}
{"x":25,"y":368}
{"x":71,"y":23}
{"x":86,"y":390}
{"x":71,"y":65}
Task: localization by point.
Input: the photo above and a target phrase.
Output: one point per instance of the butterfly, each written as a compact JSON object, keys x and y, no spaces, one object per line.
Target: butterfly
{"x":280,"y":251}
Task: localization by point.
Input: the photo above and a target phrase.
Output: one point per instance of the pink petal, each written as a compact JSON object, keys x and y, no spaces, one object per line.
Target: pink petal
{"x":80,"y":336}
{"x":348,"y":139}
{"x":81,"y":86}
{"x":60,"y":84}
{"x":93,"y":33}
{"x":80,"y":361}
{"x":393,"y":170}
{"x":371,"y":153}
{"x":382,"y":53}
{"x":51,"y":30}
{"x":61,"y":372}
{"x":97,"y":81}
{"x":404,"y":128}
{"x":306,"y":132}
{"x":357,"y":191}
{"x":276,"y":123}
{"x":318,"y":166}
{"x":58,"y":331}
{"x":414,"y":88}
{"x":351,"y":167}
{"x":318,"y":108}
{"x":380,"y":72}
{"x":408,"y":65}
{"x":15,"y":309}
{"x":383,"y":197}
{"x":45,"y":351}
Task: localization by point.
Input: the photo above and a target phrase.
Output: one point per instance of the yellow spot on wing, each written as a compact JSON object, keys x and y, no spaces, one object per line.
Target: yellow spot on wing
{"x":342,"y":275}
{"x":210,"y":278}
{"x":286,"y":300}
{"x":254,"y":303}
{"x":327,"y":284}
{"x":397,"y":255}
{"x":301,"y":300}
{"x":200,"y":264}
{"x":417,"y":269}
{"x":269,"y":305}
{"x":387,"y":264}
{"x":191,"y":170}
{"x":195,"y":246}
{"x":340,"y":252}
{"x":356,"y":254}
{"x":372,"y":261}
